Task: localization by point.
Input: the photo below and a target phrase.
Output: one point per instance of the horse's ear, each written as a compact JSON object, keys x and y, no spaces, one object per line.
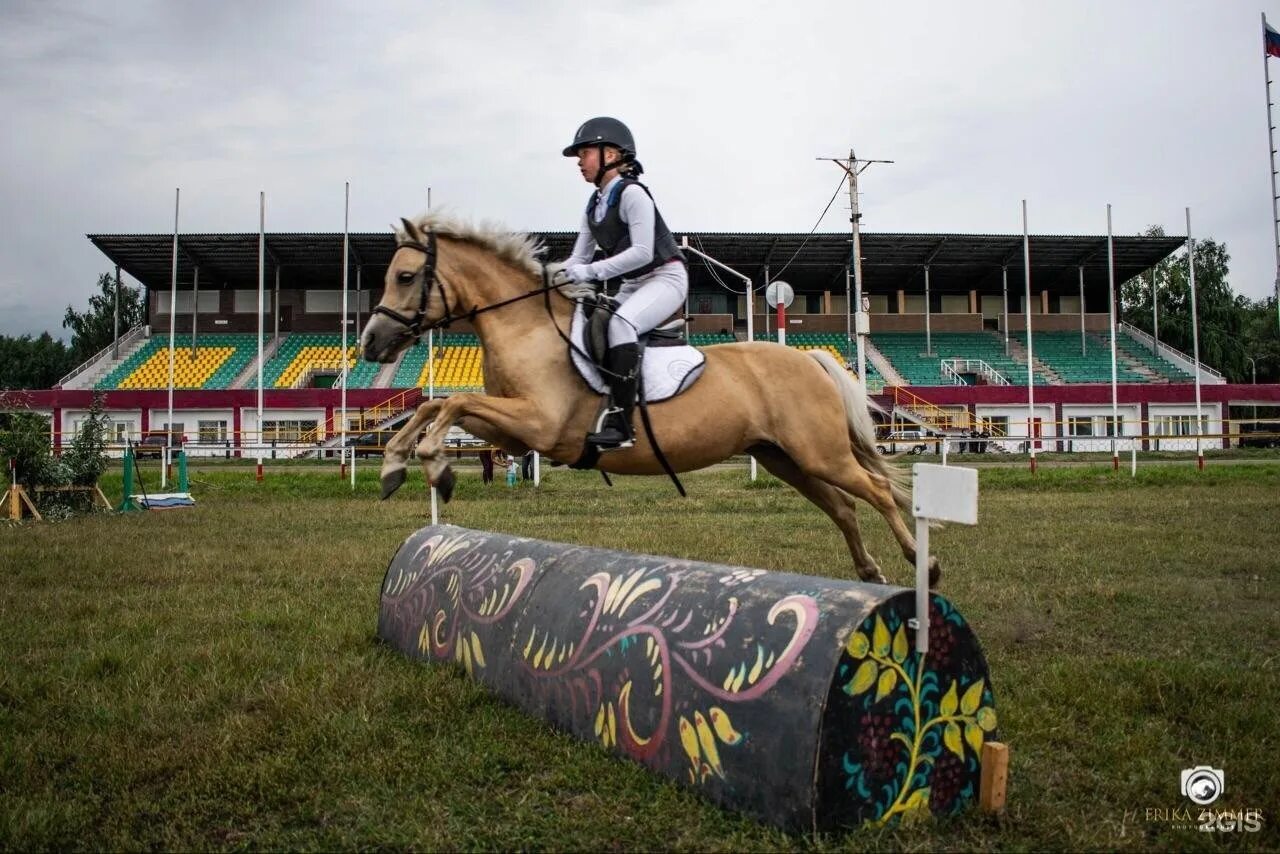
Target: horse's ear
{"x":411,"y":230}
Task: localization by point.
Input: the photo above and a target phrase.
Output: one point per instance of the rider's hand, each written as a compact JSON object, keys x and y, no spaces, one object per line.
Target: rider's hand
{"x":561,"y":278}
{"x":579,"y":273}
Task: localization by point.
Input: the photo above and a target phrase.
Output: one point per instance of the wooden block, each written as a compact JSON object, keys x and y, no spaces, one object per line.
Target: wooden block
{"x":995,"y":777}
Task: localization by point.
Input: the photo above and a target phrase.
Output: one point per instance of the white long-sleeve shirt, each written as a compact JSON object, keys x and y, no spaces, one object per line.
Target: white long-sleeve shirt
{"x":638,"y":212}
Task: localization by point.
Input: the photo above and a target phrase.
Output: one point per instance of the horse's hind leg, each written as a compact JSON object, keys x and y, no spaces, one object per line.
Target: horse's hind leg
{"x":832,"y":501}
{"x":842,"y":470}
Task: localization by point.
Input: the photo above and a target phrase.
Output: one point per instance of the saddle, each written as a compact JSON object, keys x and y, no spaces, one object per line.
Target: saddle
{"x":668,"y":365}
{"x":599,"y":311}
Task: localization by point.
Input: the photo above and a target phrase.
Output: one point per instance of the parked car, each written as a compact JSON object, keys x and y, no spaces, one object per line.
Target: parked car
{"x":903,"y":441}
{"x":1263,"y":434}
{"x":151,"y":445}
{"x":370,"y":444}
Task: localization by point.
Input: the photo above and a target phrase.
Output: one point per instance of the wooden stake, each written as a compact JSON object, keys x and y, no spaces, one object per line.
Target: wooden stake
{"x":17,"y":497}
{"x":995,"y":777}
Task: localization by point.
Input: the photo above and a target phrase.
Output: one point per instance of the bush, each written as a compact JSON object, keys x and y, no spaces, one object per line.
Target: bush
{"x":86,"y":459}
{"x":25,"y":440}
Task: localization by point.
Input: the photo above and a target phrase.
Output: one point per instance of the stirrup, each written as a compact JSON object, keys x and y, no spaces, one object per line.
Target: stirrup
{"x":608,"y":436}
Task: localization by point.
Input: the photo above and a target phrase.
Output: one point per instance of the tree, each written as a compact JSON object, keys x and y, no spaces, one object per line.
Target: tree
{"x":27,"y":362}
{"x":1221,"y":312}
{"x":93,"y":329}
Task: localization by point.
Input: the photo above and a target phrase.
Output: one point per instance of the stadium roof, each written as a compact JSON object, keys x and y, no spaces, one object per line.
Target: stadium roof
{"x":811,"y":263}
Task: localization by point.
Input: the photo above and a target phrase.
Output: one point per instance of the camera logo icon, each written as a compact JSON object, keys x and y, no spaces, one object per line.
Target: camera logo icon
{"x":1202,"y":784}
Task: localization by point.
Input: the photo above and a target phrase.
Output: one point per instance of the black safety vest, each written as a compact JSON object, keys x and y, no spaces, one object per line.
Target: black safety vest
{"x":612,"y":235}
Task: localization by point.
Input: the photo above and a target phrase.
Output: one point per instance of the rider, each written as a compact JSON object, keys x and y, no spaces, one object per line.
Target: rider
{"x":622,"y":221}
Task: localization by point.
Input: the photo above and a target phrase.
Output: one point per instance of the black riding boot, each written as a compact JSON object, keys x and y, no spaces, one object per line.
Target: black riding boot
{"x":614,"y":432}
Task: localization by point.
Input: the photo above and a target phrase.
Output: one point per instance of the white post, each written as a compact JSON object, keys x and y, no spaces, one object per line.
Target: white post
{"x":946,"y":495}
{"x":1155,"y":314}
{"x":346,"y":211}
{"x":1031,"y":377}
{"x":1084,"y":347}
{"x":262,"y":260}
{"x":275,"y":309}
{"x":173,"y":313}
{"x":1195,"y":335}
{"x":1133,"y":458}
{"x":944,"y":444}
{"x":928,"y":336}
{"x":164,"y":464}
{"x":115,"y":322}
{"x":1004,"y":279}
{"x":195,"y":305}
{"x":1111,"y":302}
{"x":1271,"y":146}
{"x":537,"y":469}
{"x":922,"y":587}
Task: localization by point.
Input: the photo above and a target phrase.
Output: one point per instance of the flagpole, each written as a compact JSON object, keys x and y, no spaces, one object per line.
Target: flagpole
{"x":173,"y":315}
{"x":346,"y":219}
{"x":1031,"y":376}
{"x":1195,"y":334}
{"x":1271,"y":148}
{"x":1111,"y":311}
{"x":262,"y":254}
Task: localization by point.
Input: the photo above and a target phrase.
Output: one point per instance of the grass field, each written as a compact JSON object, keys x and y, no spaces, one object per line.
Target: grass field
{"x":209,"y":678}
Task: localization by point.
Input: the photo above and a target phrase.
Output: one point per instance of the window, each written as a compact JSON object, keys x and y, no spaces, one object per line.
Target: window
{"x":813,"y":303}
{"x":1080,"y":426}
{"x":1178,"y":425}
{"x":287,"y":431}
{"x":208,"y":302}
{"x":998,"y":425}
{"x":211,"y":432}
{"x":1112,"y":426}
{"x":246,"y":302}
{"x":177,"y":432}
{"x":323,"y":302}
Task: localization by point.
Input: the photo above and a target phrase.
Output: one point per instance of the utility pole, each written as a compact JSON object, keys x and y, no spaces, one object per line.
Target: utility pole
{"x":853,"y":167}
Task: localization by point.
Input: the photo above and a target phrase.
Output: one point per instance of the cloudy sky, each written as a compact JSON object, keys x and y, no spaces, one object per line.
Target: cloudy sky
{"x":1151,"y":106}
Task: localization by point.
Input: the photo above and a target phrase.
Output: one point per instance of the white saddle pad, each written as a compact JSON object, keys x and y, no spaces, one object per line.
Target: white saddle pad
{"x":666,"y":371}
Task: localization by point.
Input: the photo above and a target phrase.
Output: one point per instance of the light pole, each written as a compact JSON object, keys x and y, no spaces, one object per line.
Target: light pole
{"x":853,"y":167}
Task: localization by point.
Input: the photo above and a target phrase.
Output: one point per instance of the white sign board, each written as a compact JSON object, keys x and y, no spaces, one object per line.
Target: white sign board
{"x":779,"y":292}
{"x":945,"y":493}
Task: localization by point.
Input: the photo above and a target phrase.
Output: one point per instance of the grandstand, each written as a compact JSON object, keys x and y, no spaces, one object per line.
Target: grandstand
{"x":302,"y":356}
{"x":219,"y":359}
{"x":908,"y":353}
{"x":968,"y":313}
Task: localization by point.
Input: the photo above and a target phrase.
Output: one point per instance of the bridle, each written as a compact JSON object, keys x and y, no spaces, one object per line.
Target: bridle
{"x":431,"y":280}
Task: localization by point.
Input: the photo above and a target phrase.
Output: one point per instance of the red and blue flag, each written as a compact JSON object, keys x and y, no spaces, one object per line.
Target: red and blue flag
{"x":1270,"y":40}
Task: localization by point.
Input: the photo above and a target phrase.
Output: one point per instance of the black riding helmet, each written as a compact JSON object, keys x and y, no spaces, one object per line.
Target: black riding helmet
{"x":602,"y":131}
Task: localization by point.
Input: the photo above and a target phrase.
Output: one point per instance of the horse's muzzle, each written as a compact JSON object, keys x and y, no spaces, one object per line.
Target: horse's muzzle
{"x":379,"y":344}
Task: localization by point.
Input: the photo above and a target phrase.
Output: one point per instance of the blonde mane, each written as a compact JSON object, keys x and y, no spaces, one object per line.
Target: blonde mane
{"x":520,"y":250}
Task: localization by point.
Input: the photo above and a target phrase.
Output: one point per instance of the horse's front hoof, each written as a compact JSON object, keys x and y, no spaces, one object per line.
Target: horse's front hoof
{"x":444,"y":484}
{"x":391,"y":481}
{"x":935,"y":571}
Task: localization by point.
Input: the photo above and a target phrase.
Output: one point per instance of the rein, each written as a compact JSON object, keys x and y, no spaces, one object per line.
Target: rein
{"x":431,"y":280}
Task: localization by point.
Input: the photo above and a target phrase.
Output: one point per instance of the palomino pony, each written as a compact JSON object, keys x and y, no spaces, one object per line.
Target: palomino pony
{"x":800,"y":414}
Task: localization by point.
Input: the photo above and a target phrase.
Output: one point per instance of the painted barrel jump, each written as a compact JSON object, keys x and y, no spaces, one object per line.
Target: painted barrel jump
{"x":796,"y":699}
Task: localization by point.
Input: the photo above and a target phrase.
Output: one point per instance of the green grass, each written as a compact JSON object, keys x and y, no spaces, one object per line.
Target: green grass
{"x":208,"y":678}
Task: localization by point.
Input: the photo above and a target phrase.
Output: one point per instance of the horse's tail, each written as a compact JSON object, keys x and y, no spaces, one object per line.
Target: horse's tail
{"x":862,"y":431}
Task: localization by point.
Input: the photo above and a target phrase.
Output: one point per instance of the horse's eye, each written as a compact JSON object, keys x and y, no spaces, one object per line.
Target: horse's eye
{"x":404,"y":278}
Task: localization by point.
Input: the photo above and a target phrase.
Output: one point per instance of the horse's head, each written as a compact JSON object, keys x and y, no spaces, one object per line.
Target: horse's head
{"x":412,"y":299}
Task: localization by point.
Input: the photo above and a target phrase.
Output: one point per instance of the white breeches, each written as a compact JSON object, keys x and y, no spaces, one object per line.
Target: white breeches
{"x":648,"y":301}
